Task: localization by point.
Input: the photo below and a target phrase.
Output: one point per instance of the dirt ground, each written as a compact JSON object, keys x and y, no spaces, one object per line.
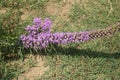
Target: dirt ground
{"x":34,"y":71}
{"x":60,"y":9}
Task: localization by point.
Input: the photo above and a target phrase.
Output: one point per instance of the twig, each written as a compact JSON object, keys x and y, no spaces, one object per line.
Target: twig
{"x":111,"y":8}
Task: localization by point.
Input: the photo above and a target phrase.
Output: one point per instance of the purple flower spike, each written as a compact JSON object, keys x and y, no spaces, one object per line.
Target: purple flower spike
{"x":39,"y":35}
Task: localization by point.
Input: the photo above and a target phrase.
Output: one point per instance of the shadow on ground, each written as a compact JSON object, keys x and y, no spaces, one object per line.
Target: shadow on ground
{"x":88,"y":53}
{"x":71,"y":51}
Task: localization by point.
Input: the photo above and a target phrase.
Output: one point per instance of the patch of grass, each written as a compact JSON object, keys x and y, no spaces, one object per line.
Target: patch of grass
{"x":11,"y":68}
{"x":11,"y":27}
{"x":7,"y":71}
{"x":97,"y":59}
{"x":77,"y":66}
{"x":95,"y":14}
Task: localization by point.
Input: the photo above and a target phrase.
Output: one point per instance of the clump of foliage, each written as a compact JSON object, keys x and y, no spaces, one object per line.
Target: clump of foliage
{"x":9,"y":30}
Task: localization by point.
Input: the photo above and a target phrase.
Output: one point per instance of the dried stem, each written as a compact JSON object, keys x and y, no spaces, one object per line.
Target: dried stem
{"x":111,"y":8}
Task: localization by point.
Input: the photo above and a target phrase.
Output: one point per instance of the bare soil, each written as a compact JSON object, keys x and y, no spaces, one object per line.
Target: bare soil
{"x":34,"y":72}
{"x":60,"y":9}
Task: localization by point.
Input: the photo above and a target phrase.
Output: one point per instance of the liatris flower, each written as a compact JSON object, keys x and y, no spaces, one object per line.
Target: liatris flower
{"x":42,"y":40}
{"x":39,"y":35}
